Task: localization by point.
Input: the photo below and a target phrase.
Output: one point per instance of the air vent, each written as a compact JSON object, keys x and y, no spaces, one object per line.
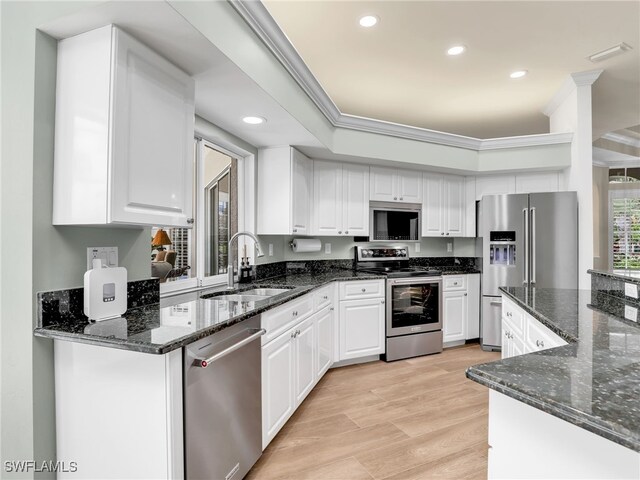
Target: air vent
{"x":610,"y":52}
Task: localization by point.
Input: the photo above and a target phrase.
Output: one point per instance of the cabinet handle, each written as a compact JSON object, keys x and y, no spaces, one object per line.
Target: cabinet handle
{"x":465,"y":294}
{"x":381,"y":301}
{"x":293,"y":334}
{"x":295,"y":230}
{"x":442,"y":233}
{"x":190,"y":221}
{"x":339,"y":232}
{"x":509,"y":314}
{"x":346,"y":232}
{"x":447,"y":233}
{"x":364,"y":290}
{"x":395,"y":198}
{"x":325,"y":297}
{"x":332,"y":309}
{"x":400,"y":198}
{"x":539,"y":343}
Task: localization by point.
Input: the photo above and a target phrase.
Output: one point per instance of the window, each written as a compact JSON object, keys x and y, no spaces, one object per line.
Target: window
{"x":198,"y":256}
{"x":625,"y":230}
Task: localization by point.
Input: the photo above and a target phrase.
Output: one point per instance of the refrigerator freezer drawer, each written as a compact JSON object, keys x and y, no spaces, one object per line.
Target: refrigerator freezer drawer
{"x":491,"y":327}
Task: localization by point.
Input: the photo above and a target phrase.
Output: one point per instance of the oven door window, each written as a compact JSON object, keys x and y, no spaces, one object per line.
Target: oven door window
{"x":413,"y":305}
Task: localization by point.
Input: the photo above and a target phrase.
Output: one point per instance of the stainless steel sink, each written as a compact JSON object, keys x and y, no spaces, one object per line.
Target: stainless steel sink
{"x":238,"y":298}
{"x":265,"y":292}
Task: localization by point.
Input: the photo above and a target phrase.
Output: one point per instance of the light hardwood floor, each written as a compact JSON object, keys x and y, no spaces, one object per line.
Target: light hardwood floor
{"x":418,"y":418}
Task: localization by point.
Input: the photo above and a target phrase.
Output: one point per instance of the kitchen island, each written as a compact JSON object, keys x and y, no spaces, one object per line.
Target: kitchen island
{"x":571,"y":411}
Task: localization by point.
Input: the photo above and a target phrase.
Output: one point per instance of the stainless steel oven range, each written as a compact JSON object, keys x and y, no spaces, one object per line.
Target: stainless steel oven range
{"x":413,"y":299}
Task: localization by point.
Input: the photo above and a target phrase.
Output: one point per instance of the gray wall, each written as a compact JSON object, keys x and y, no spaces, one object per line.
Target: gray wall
{"x":34,"y":254}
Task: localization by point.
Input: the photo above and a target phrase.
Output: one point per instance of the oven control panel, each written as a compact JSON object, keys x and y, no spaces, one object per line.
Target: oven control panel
{"x":382,"y":253}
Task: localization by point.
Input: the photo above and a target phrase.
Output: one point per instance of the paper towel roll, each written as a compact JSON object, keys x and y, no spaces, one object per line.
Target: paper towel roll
{"x":300,"y":245}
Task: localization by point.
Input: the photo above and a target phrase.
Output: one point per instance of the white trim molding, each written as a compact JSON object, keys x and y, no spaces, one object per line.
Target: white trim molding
{"x":573,"y":81}
{"x":265,"y":27}
{"x":623,"y":139}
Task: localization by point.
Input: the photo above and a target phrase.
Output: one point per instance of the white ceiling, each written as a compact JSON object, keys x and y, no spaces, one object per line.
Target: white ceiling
{"x":224,"y":93}
{"x":398,"y":70}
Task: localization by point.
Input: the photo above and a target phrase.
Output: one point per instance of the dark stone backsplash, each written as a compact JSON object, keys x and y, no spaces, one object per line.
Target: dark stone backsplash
{"x":59,"y":305}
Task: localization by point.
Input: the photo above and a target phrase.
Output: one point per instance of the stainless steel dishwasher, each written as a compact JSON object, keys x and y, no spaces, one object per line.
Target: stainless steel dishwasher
{"x":223,"y":403}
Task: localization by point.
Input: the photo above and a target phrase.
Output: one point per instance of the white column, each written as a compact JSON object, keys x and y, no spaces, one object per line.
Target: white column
{"x":570,"y":111}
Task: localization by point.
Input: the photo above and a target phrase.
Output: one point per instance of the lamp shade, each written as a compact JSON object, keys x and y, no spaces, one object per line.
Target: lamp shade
{"x":161,"y":238}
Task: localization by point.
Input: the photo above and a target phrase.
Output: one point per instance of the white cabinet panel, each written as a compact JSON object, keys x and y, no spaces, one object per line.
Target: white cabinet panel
{"x":454,"y":206}
{"x":383,"y":184}
{"x":277,"y":386}
{"x":409,"y":186}
{"x":393,"y":185}
{"x":455,"y":316}
{"x":304,"y":359}
{"x":432,"y":219}
{"x":325,"y":333}
{"x":537,"y":182}
{"x":361,"y":328}
{"x":285,"y":189}
{"x":136,"y":120}
{"x":301,"y":185}
{"x":494,"y":185}
{"x":355,"y":200}
{"x":356,"y":290}
{"x":327,"y":195}
{"x":473,"y":306}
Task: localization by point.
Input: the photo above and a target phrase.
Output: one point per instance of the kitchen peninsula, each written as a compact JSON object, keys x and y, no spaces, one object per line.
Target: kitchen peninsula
{"x":570,"y":411}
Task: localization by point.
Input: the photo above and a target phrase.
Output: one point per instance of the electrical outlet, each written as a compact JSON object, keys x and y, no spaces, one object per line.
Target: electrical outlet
{"x":449,"y":247}
{"x":327,"y":248}
{"x":631,"y":290}
{"x":631,"y":313}
{"x":417,"y":247}
{"x":271,"y":249}
{"x":108,"y":255}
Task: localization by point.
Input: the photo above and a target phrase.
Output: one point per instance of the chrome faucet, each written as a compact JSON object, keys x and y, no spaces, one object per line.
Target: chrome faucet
{"x":230,"y":276}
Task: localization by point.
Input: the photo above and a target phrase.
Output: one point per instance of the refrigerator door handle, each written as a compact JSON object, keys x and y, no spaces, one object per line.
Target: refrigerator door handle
{"x":525,"y":215}
{"x":533,"y":246}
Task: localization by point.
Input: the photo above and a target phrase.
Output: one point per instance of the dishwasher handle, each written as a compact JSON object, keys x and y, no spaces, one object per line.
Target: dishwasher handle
{"x":198,"y":362}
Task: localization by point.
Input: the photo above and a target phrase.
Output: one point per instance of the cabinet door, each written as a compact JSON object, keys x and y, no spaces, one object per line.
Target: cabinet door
{"x":537,"y":182}
{"x":304,"y":360}
{"x":327,"y":194}
{"x":361,"y":328}
{"x":355,"y":200}
{"x":432,"y":207}
{"x":454,"y":316}
{"x":494,"y":185}
{"x":152,"y":152}
{"x":473,"y":306}
{"x":409,"y":186}
{"x":453,"y":214}
{"x":301,"y":178}
{"x":324,"y":341}
{"x":383,"y":182}
{"x":277,"y":385}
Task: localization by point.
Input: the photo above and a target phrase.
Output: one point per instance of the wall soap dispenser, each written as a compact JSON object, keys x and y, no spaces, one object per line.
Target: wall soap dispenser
{"x":105,"y":292}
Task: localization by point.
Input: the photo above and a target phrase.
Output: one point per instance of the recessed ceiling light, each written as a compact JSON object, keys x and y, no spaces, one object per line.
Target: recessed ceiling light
{"x":254,"y":120}
{"x":518,"y":74}
{"x":457,"y":50}
{"x":368,"y":21}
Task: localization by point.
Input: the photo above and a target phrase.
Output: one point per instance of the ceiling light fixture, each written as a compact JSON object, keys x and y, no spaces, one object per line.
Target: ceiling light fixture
{"x":254,"y":120}
{"x":456,"y":50}
{"x":518,"y":74}
{"x":610,"y":52}
{"x":368,"y":21}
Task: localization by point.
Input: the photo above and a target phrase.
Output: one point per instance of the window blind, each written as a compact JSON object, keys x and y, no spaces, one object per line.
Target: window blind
{"x":626,"y":233}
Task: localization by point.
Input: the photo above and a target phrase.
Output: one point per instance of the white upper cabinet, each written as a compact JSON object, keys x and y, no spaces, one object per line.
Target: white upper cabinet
{"x":443,"y":209}
{"x":394,"y":185}
{"x":124,"y":136}
{"x":341,"y":199}
{"x":285,"y":189}
{"x":494,"y":185}
{"x":520,"y":183}
{"x":537,"y":182}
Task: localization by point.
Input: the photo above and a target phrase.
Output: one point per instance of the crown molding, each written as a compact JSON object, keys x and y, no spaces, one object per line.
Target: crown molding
{"x":619,"y":138}
{"x":268,"y":31}
{"x":574,"y":80}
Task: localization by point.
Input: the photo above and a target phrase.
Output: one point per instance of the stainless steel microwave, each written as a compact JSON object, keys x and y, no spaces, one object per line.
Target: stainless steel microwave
{"x":390,"y":221}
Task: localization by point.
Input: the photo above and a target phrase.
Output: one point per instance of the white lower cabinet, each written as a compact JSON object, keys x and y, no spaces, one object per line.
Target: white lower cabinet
{"x":362,"y":328}
{"x":292,"y":364}
{"x":521,"y":333}
{"x":455,"y":314}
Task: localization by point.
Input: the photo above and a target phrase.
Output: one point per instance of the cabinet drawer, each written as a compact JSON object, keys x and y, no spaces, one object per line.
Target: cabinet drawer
{"x":322,"y":298}
{"x":514,"y":315}
{"x":278,"y":320}
{"x":538,"y":337}
{"x":454,"y":282}
{"x":361,"y":289}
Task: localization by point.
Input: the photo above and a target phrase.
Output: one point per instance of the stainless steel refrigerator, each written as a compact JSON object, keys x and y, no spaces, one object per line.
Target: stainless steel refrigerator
{"x":528,"y":240}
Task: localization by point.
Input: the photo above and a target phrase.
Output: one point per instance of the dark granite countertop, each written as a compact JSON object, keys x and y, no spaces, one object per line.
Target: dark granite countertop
{"x":628,"y":276}
{"x":594,"y":380}
{"x":180,"y":320}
